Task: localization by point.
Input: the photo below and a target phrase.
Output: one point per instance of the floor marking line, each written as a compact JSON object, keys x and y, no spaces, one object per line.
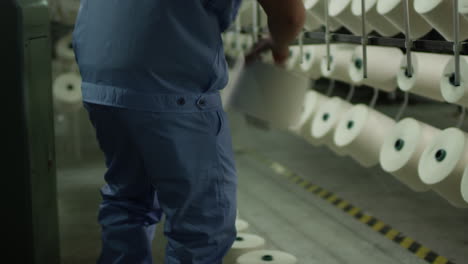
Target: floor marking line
{"x":375,"y":224}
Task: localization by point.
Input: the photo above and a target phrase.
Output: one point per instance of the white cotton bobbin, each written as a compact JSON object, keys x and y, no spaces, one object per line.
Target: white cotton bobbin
{"x":463,"y":8}
{"x":325,"y":122}
{"x":450,"y":92}
{"x":464,"y":185}
{"x":312,"y":23}
{"x":312,"y":59}
{"x":247,"y":43}
{"x":442,"y":165}
{"x":341,"y":11}
{"x":360,"y":133}
{"x":267,"y":256}
{"x":438,"y":13}
{"x":428,"y":70}
{"x":374,"y":19}
{"x":229,"y":42}
{"x":64,"y":49}
{"x":67,"y":92}
{"x":316,"y":8}
{"x":312,"y":102}
{"x":69,"y":11}
{"x":295,"y":60}
{"x":382,"y":66}
{"x":241,"y":225}
{"x":270,"y":93}
{"x":394,"y":11}
{"x":402,"y":149}
{"x":243,"y":244}
{"x":340,"y":58}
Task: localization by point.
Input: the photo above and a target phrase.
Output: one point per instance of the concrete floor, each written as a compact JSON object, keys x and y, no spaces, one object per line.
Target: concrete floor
{"x":290,"y":218}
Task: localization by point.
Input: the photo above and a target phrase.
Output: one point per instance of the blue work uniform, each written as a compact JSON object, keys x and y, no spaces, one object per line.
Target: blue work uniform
{"x":152,"y":71}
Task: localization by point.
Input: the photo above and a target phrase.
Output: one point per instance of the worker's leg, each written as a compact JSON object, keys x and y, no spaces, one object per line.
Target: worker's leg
{"x":189,"y":157}
{"x":129,"y":210}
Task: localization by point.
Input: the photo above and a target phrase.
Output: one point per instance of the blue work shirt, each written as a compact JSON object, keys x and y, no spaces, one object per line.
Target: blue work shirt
{"x":142,"y":54}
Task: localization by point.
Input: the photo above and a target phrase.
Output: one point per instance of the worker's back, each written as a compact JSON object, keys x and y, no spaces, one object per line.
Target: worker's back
{"x":129,"y":49}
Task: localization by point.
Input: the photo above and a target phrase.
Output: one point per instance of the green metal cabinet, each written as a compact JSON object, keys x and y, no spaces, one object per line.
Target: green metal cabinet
{"x":28,"y":182}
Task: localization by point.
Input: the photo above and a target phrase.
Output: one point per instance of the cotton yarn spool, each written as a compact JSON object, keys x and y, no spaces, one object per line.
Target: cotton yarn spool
{"x":341,"y":11}
{"x":243,"y":244}
{"x":317,"y":9}
{"x":246,"y":42}
{"x":361,"y":132}
{"x":245,"y":14}
{"x":464,"y":185}
{"x":241,"y":225}
{"x":450,"y":92}
{"x":295,"y":60}
{"x":325,"y":122}
{"x":442,"y":165}
{"x":312,"y":59}
{"x":311,"y":104}
{"x":69,"y":10}
{"x":340,"y":58}
{"x":311,"y":23}
{"x":260,"y":93}
{"x":402,"y":149}
{"x":394,"y":11}
{"x":64,"y":48}
{"x":427,"y":72}
{"x":229,"y":42}
{"x":373,"y":18}
{"x":383,"y":64}
{"x":463,"y":8}
{"x":267,"y":256}
{"x":438,"y":13}
{"x":67,"y":92}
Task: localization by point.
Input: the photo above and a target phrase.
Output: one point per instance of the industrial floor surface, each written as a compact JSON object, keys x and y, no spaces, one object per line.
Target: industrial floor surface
{"x":286,"y":215}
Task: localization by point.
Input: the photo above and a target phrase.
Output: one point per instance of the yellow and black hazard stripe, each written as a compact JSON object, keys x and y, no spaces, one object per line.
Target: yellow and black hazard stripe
{"x":386,"y":230}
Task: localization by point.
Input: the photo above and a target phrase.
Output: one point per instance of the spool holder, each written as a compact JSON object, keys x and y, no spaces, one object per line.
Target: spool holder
{"x":327,"y":34}
{"x":331,"y":87}
{"x":352,"y":90}
{"x":364,"y":39}
{"x":456,"y":42}
{"x":301,"y":46}
{"x":374,"y":99}
{"x":403,"y":107}
{"x":408,"y":41}
{"x":255,"y":21}
{"x":461,"y":119}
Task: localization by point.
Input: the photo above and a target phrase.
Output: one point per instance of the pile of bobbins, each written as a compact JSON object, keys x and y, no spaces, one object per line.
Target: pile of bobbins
{"x":417,"y":154}
{"x":250,"y":249}
{"x":70,"y":126}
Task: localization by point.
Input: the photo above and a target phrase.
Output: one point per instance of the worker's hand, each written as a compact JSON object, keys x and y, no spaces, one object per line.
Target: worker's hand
{"x":280,"y":54}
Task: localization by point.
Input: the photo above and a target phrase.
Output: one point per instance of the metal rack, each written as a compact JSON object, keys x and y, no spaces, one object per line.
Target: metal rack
{"x":433,"y":46}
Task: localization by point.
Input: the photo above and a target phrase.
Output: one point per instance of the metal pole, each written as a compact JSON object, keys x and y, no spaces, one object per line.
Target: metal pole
{"x":301,"y":46}
{"x":351,"y":92}
{"x":331,"y":87}
{"x":238,"y":32}
{"x":375,"y":97}
{"x":456,"y":42}
{"x":327,"y":35}
{"x":255,"y":21}
{"x":364,"y":38}
{"x":462,"y":117}
{"x":403,"y":107}
{"x":409,"y":41}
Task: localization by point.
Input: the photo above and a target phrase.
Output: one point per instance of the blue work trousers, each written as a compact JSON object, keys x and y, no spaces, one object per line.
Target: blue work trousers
{"x":179,"y":164}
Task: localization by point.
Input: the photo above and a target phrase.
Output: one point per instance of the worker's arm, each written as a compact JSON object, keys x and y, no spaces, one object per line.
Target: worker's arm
{"x":285,"y":20}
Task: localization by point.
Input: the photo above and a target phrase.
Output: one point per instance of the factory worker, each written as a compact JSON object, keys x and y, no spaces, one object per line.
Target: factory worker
{"x":152,"y":71}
